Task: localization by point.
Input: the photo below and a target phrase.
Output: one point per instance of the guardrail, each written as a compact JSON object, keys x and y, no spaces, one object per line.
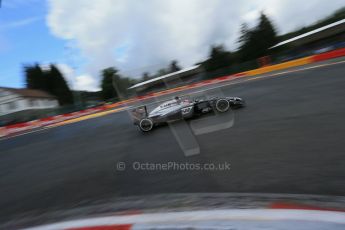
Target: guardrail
{"x":31,"y":125}
{"x":328,"y":55}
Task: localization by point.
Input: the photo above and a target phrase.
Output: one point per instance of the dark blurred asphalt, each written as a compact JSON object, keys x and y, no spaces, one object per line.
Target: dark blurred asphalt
{"x":289,"y":139}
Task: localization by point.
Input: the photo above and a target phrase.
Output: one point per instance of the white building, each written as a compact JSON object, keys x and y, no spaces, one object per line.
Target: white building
{"x":17,"y":100}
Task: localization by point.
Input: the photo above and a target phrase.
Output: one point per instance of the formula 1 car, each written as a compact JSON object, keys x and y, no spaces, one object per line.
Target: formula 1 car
{"x":178,"y":109}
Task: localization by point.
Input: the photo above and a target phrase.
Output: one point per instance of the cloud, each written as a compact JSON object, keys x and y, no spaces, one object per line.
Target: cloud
{"x":137,"y":36}
{"x":86,"y":82}
{"x":78,"y":82}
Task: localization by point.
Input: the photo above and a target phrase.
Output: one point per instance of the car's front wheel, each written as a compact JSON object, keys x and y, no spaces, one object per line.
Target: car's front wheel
{"x":222,"y":105}
{"x":145,"y":125}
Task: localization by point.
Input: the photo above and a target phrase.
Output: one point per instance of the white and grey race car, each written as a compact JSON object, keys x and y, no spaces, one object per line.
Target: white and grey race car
{"x":178,"y":109}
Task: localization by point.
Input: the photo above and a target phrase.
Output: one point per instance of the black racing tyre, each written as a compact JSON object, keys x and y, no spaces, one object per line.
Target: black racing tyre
{"x":222,"y":105}
{"x":145,"y":124}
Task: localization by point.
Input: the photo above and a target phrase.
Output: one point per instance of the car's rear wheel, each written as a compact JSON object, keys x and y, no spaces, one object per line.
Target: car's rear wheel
{"x":222,"y":105}
{"x":146,"y":125}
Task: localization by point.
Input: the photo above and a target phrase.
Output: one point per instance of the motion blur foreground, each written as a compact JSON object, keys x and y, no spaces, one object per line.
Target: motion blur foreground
{"x":75,"y":161}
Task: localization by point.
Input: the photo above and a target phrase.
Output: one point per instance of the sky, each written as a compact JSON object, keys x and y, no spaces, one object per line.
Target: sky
{"x":84,"y":36}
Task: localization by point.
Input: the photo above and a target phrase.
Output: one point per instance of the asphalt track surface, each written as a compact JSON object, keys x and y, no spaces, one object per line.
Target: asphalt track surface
{"x":289,"y":139}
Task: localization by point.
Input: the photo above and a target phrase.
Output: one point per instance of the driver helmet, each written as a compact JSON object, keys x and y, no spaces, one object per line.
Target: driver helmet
{"x":178,"y":99}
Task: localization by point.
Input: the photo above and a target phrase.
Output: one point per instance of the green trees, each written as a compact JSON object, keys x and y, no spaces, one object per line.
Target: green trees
{"x":113,"y":85}
{"x":57,"y":86}
{"x":122,"y":85}
{"x":146,"y":76}
{"x":35,"y":78}
{"x":218,"y":58}
{"x":244,"y":36}
{"x":50,"y":80}
{"x":255,"y":43}
{"x":107,"y":84}
{"x":173,"y":67}
{"x":266,"y":35}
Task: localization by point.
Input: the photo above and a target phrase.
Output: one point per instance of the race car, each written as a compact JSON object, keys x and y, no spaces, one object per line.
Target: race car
{"x":178,"y":109}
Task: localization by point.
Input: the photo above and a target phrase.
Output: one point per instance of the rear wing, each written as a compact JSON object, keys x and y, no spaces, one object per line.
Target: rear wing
{"x":138,"y":113}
